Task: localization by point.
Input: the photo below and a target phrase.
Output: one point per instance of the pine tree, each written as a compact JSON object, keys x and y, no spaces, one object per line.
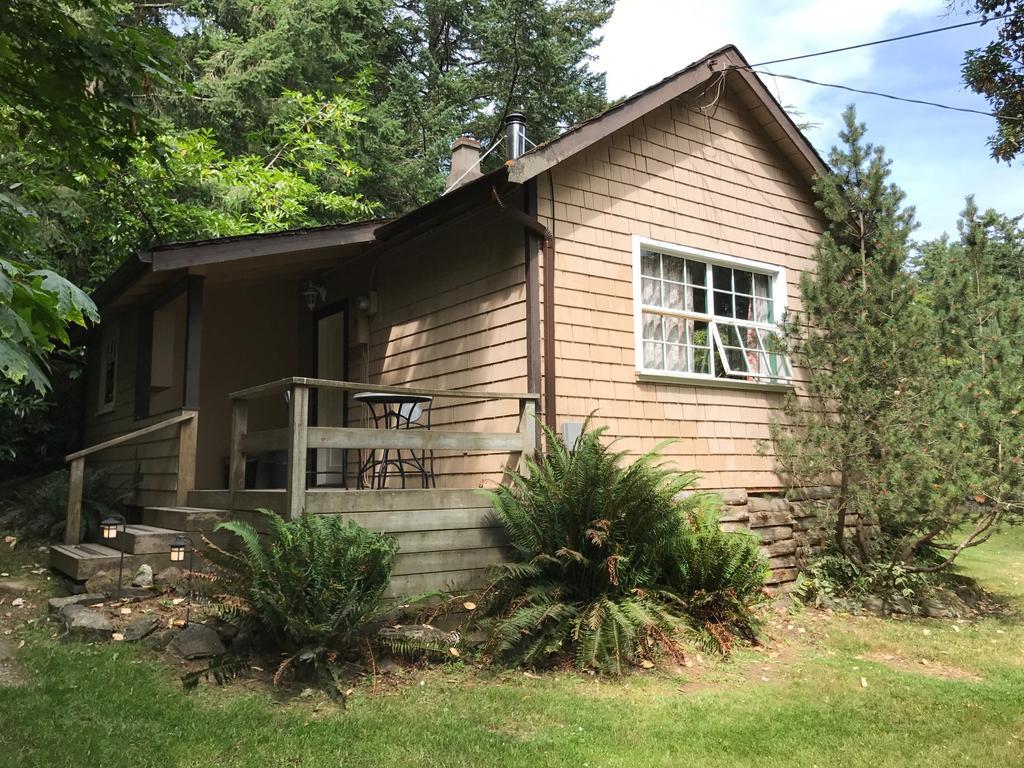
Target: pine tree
{"x":859,"y":339}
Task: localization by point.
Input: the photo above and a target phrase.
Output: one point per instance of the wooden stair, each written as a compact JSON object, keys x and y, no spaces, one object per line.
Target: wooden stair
{"x":145,"y":543}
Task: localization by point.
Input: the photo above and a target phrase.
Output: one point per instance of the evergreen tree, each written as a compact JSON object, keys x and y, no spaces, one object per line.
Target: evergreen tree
{"x":859,"y":337}
{"x":974,"y":290}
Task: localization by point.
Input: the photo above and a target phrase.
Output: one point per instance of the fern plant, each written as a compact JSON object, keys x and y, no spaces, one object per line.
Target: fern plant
{"x":718,"y":576}
{"x":590,"y":535}
{"x":312,"y":585}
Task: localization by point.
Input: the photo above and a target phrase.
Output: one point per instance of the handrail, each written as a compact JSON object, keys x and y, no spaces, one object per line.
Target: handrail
{"x":186,"y":416}
{"x":186,"y":466}
{"x":281,"y":385}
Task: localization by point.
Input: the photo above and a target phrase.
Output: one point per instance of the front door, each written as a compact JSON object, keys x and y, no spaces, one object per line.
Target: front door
{"x":331,"y":404}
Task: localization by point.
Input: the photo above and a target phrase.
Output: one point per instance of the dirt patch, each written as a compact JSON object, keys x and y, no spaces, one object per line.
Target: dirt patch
{"x":923,"y":667}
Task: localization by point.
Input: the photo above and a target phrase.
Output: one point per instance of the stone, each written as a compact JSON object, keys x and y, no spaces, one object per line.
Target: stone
{"x":733,"y":496}
{"x":900,"y":605}
{"x":85,"y":623}
{"x":160,"y":640}
{"x":225,"y":629}
{"x":143,"y":576}
{"x":766,"y":504}
{"x":781,"y":547}
{"x":774,"y":533}
{"x":734,"y":514}
{"x":388,"y":666}
{"x":168,"y":577}
{"x":58,"y":603}
{"x":101,"y":583}
{"x":197,"y":641}
{"x":140,"y":628}
{"x":934,"y":609}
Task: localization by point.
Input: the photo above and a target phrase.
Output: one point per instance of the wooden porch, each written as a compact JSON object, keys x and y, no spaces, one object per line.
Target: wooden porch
{"x":447,"y":535}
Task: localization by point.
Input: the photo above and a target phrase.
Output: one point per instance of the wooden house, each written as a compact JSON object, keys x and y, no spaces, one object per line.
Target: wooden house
{"x":634,"y":268}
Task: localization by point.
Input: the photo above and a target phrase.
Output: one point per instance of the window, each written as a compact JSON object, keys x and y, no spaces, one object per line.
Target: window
{"x":108,"y":370}
{"x":705,"y":315}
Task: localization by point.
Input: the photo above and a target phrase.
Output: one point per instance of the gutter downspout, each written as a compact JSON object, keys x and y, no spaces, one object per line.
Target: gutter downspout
{"x":547,"y":238}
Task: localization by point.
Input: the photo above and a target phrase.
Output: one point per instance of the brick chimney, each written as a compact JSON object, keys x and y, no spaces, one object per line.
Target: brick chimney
{"x":465,"y":160}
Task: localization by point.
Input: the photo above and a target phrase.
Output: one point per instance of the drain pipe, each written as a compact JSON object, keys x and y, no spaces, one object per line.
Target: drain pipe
{"x":547,"y":239}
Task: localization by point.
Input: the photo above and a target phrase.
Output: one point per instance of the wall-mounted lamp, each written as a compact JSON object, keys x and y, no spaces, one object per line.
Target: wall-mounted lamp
{"x":367,"y":304}
{"x":313,"y":295}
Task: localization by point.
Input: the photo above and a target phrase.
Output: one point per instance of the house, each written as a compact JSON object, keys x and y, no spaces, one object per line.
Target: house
{"x":634,"y":267}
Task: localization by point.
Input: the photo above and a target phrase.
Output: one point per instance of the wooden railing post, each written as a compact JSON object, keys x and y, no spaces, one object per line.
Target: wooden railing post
{"x":188,"y":432}
{"x":528,"y":428}
{"x":73,"y":523}
{"x":239,"y":426}
{"x":298,"y":444}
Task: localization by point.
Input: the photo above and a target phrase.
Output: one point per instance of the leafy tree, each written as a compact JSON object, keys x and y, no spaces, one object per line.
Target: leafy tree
{"x":36,"y":306}
{"x":859,"y":337}
{"x":433,"y":70}
{"x":997,"y":73}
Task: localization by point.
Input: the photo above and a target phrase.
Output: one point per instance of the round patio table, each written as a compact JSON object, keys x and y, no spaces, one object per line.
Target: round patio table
{"x":397,"y":411}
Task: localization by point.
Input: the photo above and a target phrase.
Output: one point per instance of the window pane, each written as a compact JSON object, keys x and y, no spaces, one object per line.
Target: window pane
{"x":653,"y":355}
{"x":701,"y":357}
{"x":674,"y":295}
{"x":696,"y":273}
{"x":698,"y":300}
{"x":762,"y":285}
{"x":675,"y":358}
{"x":699,"y":335}
{"x":744,"y":307}
{"x":673,"y":268}
{"x":673,"y":330}
{"x":650,"y":291}
{"x":744,"y":281}
{"x":650,"y":264}
{"x":653,"y":327}
{"x":722,"y":278}
{"x":723,"y":304}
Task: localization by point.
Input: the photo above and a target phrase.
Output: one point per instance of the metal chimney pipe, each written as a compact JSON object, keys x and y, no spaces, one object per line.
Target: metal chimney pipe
{"x":515,"y":134}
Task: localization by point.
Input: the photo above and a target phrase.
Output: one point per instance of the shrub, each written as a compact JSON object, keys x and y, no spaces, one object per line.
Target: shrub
{"x":38,"y":509}
{"x":309,"y":585}
{"x":719,"y":576}
{"x":590,"y":536}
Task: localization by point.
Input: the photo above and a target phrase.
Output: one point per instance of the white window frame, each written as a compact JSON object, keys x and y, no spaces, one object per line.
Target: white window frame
{"x":110,"y":343}
{"x":779,"y":296}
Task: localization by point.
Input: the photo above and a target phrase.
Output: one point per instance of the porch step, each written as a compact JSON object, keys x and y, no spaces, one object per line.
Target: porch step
{"x":184,"y":518}
{"x":80,"y":561}
{"x":143,"y":540}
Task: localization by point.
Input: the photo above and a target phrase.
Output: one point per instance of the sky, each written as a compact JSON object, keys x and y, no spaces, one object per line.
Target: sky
{"x":937,"y":156}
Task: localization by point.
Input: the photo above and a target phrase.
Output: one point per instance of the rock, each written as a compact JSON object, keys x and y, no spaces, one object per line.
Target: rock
{"x":388,"y":666}
{"x":160,"y":640}
{"x":85,"y":623}
{"x":935,"y":609}
{"x":900,"y":605}
{"x":873,"y":604}
{"x":140,"y":628}
{"x":168,"y":577}
{"x":418,"y":636}
{"x":143,"y":576}
{"x":14,"y":586}
{"x":197,"y":641}
{"x":58,"y":603}
{"x":101,"y":583}
{"x":733,"y":496}
{"x":225,"y":629}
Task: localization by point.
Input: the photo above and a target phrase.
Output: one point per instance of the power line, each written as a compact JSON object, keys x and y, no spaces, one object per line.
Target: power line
{"x":886,"y":95}
{"x":874,"y":42}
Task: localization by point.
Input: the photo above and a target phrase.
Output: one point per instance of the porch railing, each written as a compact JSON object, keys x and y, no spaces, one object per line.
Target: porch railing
{"x":186,"y":471}
{"x":299,"y":436}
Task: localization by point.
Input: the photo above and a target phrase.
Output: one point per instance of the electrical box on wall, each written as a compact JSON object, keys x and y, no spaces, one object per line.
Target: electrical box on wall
{"x":571,"y":431}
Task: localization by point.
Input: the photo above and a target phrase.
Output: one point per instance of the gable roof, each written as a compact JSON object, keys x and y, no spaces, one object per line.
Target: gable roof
{"x":726,"y":62}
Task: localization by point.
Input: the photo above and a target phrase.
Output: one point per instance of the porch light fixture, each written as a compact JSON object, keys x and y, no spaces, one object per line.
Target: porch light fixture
{"x":109,"y":528}
{"x":313,"y":295}
{"x":178,"y":547}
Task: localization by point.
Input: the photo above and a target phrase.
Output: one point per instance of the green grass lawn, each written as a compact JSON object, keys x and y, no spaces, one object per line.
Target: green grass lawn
{"x":938,"y":693}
